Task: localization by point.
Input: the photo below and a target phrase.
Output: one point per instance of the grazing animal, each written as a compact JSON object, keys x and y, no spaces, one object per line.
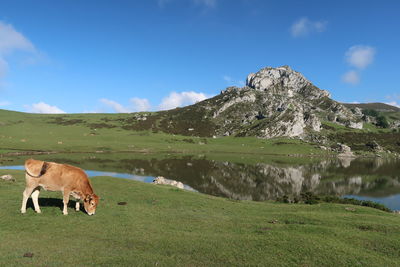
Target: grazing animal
{"x":53,"y":176}
{"x":162,"y":180}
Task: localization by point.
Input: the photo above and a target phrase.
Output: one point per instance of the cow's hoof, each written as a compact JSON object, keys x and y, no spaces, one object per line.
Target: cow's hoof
{"x":38,"y":211}
{"x":23,"y":211}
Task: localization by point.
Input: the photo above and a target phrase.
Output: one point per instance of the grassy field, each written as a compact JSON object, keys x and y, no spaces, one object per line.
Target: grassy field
{"x":24,"y":132}
{"x":163,"y":226}
{"x":109,"y":132}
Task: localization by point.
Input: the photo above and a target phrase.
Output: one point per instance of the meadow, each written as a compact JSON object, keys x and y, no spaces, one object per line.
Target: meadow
{"x":23,"y":132}
{"x":164,"y":226}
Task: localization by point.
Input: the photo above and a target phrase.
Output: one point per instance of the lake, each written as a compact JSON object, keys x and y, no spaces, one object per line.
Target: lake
{"x":373,"y":179}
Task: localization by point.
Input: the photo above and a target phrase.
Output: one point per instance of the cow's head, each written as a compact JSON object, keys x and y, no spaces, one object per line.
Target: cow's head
{"x":90,"y":203}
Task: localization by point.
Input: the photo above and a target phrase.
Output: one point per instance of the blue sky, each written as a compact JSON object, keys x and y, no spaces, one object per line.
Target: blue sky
{"x":124,"y":56}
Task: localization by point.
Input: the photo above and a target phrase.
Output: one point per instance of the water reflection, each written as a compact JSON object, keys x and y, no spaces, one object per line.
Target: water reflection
{"x":374,"y":179}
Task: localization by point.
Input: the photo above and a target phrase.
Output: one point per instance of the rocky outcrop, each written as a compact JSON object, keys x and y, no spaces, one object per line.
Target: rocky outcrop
{"x":344,"y":151}
{"x":284,"y":77}
{"x":277,"y":102}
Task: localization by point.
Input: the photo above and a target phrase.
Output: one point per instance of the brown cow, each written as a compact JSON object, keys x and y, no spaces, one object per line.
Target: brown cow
{"x":53,"y":176}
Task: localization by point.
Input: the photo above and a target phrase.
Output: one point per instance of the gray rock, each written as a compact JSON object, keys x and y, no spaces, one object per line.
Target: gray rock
{"x":165,"y":181}
{"x":7,"y":177}
{"x":285,"y":77}
{"x":277,"y":102}
{"x":344,"y":151}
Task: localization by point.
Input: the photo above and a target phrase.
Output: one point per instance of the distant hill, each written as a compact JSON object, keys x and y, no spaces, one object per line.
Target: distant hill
{"x":376,"y":106}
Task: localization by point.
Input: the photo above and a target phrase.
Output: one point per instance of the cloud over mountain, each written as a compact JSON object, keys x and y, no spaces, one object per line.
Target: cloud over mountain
{"x":181,"y":99}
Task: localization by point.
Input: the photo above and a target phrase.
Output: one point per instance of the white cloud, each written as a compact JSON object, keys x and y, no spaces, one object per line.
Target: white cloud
{"x":232,"y":82}
{"x":42,"y":107}
{"x":351,"y":77}
{"x":11,"y":41}
{"x":117,"y":107}
{"x":136,"y":105}
{"x":140,"y":104}
{"x":304,"y":27}
{"x":181,"y":99}
{"x":360,"y":56}
{"x":173,"y":100}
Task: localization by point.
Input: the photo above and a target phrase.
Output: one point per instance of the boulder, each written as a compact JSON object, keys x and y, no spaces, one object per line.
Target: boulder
{"x":344,"y":150}
{"x":165,"y":181}
{"x":7,"y":177}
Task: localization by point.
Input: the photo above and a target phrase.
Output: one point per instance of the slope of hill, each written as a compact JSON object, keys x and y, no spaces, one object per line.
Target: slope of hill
{"x":376,"y":106}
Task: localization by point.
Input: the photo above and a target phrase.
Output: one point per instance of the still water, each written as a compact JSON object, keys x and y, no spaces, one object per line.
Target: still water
{"x":367,"y":179}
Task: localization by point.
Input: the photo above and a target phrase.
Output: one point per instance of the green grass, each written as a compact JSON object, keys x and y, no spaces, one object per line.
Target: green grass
{"x":109,"y":132}
{"x":164,"y":226}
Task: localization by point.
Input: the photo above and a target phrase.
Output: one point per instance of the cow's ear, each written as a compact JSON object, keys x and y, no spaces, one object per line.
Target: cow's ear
{"x":87,"y":198}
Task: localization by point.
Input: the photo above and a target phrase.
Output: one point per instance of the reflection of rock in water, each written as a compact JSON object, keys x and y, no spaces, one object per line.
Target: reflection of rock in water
{"x":346,"y":186}
{"x":268,"y":181}
{"x":345,"y":161}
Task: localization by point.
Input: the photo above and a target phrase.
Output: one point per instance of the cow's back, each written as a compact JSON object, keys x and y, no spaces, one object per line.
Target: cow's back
{"x":56,"y":176}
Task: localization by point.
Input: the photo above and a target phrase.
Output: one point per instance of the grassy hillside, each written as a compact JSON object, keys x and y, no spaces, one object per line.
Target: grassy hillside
{"x":175,"y":131}
{"x":163,"y":226}
{"x":375,"y":106}
{"x":120,"y":132}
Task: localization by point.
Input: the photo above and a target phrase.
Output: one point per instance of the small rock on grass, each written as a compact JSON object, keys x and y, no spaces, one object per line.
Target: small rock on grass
{"x":7,"y":177}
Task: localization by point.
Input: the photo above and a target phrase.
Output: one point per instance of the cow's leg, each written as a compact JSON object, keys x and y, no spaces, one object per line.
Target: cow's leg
{"x":35,"y":199}
{"x":25,"y":195}
{"x":77,"y":205}
{"x":65,"y":201}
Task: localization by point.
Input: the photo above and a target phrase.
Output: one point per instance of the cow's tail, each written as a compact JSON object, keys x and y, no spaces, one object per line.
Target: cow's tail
{"x":36,"y":168}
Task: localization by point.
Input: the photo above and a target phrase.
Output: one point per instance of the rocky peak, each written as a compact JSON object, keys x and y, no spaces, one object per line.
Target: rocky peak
{"x":287,"y":80}
{"x":277,"y":102}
